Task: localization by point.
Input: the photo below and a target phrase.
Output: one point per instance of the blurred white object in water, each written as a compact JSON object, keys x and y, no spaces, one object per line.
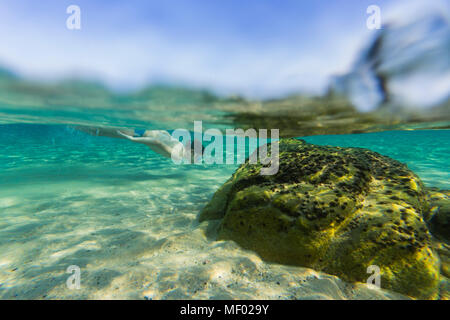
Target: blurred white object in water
{"x":406,"y":64}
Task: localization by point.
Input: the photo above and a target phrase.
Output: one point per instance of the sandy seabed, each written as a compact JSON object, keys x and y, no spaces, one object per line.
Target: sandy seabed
{"x":143,"y":256}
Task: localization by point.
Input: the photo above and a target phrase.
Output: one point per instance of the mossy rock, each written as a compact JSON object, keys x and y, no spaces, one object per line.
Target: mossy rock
{"x":337,"y":210}
{"x":439,"y":216}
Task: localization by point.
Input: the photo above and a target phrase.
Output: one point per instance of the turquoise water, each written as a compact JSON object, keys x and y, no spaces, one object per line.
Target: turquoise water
{"x":51,"y":154}
{"x":112,"y":207}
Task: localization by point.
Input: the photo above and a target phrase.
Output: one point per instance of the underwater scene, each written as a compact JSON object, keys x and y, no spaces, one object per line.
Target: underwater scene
{"x":207,"y":178}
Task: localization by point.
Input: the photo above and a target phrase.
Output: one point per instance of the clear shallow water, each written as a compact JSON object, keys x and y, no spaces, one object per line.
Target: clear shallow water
{"x":70,"y":198}
{"x":128,"y":217}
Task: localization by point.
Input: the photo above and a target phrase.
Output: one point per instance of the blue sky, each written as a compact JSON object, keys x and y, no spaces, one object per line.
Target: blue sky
{"x":257,"y":48}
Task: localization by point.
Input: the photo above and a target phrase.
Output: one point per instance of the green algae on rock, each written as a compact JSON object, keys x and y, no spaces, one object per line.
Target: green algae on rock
{"x":439,"y":223}
{"x":337,"y":210}
{"x":439,"y":218}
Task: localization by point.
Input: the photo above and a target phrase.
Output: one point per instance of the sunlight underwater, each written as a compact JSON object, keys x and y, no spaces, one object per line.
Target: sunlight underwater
{"x":129,"y":219}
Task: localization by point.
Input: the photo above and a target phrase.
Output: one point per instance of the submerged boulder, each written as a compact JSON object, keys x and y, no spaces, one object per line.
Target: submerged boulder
{"x":439,"y":217}
{"x":337,"y":210}
{"x":439,"y":224}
